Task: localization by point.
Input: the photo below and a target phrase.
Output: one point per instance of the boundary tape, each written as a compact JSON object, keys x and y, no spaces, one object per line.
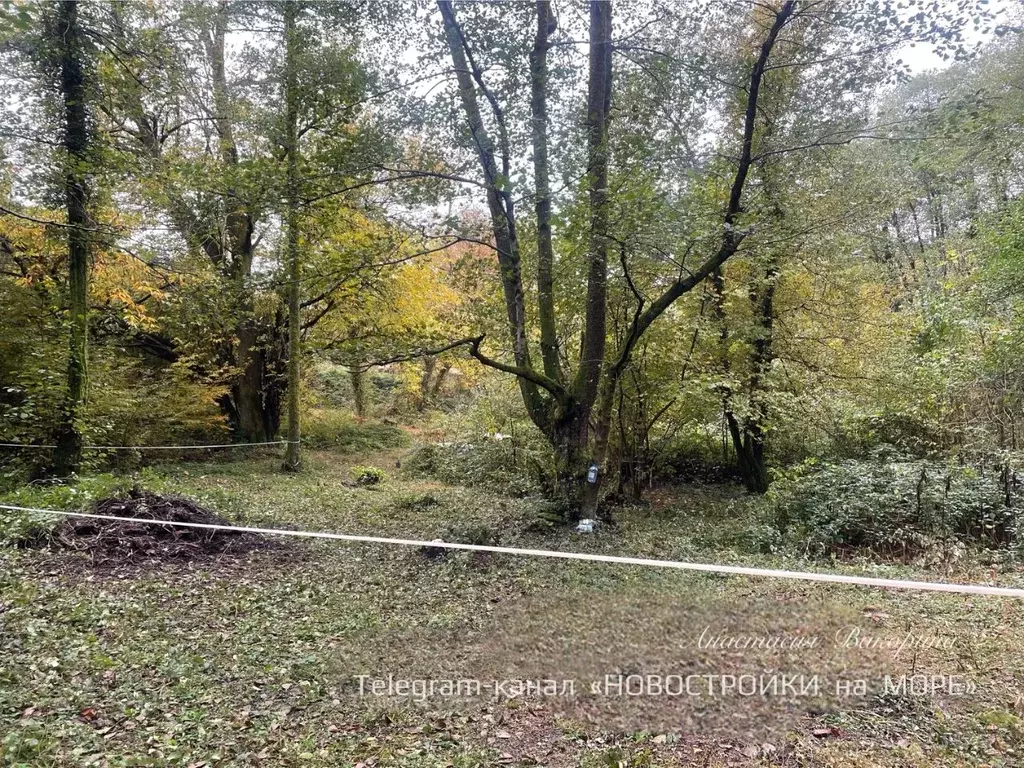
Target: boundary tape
{"x":737,"y":570}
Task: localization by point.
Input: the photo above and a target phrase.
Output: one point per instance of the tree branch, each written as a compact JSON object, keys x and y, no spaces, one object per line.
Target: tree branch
{"x":731,"y":237}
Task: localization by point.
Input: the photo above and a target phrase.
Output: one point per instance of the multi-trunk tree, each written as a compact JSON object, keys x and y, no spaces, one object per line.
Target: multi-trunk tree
{"x":569,"y":392}
{"x":573,"y":405}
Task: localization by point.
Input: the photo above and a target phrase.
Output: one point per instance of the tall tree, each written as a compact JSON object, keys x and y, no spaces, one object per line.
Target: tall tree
{"x":292,"y":458}
{"x":213,"y":148}
{"x":714,"y":197}
{"x":67,"y":38}
{"x":563,"y":405}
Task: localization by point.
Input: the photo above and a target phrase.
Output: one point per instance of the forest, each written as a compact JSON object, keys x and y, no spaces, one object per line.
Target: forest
{"x":726,"y":282}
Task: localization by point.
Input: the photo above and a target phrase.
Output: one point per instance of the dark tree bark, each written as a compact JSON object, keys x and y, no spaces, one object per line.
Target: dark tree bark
{"x":429,"y":363}
{"x":746,"y":432}
{"x":546,"y":26}
{"x":500,"y":206}
{"x":68,"y":38}
{"x":588,"y":383}
{"x":292,"y":459}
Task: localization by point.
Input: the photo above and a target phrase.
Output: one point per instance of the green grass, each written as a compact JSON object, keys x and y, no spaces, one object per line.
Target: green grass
{"x":256,"y":662}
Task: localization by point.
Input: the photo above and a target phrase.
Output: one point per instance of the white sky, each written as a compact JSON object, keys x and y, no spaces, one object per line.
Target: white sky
{"x":921,"y":58}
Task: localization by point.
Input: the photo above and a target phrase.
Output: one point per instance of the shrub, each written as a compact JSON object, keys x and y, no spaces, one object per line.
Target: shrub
{"x":332,"y":384}
{"x":340,"y":431}
{"x":368,"y":475}
{"x":498,"y":464}
{"x":907,"y":433}
{"x":479,"y":534}
{"x":892,"y":507}
{"x":23,"y":529}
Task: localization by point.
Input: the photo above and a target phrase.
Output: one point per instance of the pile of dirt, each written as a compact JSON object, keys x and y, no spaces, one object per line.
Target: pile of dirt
{"x":118,"y":542}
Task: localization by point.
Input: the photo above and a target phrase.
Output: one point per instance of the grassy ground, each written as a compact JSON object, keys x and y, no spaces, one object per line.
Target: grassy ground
{"x":257,"y":661}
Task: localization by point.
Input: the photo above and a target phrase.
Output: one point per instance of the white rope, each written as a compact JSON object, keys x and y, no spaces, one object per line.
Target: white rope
{"x":738,"y":570}
{"x":149,"y":447}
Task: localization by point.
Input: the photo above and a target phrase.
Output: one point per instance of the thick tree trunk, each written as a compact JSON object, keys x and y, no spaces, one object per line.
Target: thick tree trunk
{"x":68,"y":36}
{"x":590,"y":383}
{"x":748,"y":443}
{"x":568,"y":438}
{"x":254,"y":409}
{"x":292,"y":458}
{"x":763,"y":299}
{"x":599,"y":96}
{"x":602,"y":431}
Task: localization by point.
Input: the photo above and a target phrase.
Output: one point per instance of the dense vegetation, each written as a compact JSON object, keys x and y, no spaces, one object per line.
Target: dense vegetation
{"x":739,"y":258}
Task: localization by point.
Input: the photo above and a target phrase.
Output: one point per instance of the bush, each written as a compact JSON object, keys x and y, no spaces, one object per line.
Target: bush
{"x":907,"y":433}
{"x":892,"y":507}
{"x":340,"y":431}
{"x":20,"y":529}
{"x":331,"y":384}
{"x":498,"y":464}
{"x":368,"y":475}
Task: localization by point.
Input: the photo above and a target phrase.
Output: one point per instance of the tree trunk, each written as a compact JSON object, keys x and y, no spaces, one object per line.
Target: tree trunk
{"x":429,"y":363}
{"x":590,"y":384}
{"x":431,"y":381}
{"x":358,"y":376}
{"x":546,"y":26}
{"x":602,"y":431}
{"x":763,"y":355}
{"x":442,"y":374}
{"x":292,"y":458}
{"x":255,"y":400}
{"x":500,"y":204}
{"x":68,"y":36}
{"x":568,"y":438}
{"x":747,"y":434}
{"x":598,"y":105}
{"x":748,"y":443}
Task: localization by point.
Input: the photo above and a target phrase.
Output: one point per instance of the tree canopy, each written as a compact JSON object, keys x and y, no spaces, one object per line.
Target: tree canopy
{"x":742,"y":232}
